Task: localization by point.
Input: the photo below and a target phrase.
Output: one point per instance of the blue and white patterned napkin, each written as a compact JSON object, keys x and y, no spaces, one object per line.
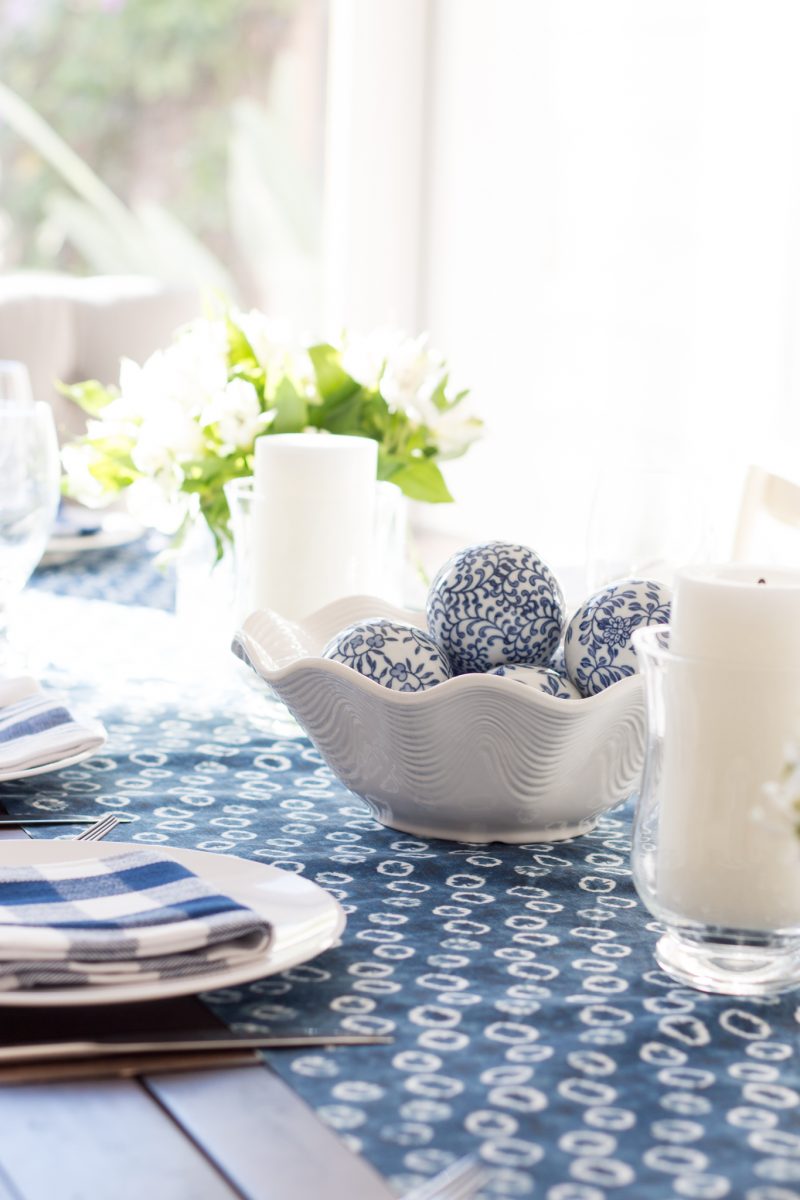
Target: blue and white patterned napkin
{"x":130,"y":917}
{"x":37,"y":728}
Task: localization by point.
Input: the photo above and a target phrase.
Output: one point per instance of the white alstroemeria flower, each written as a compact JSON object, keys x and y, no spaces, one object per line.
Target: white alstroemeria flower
{"x":141,"y":388}
{"x":110,"y":426}
{"x":364,"y":359}
{"x":269,"y":338}
{"x":236,"y":414}
{"x":196,"y":366}
{"x":157,"y":501}
{"x":454,"y":425}
{"x":187,"y":374}
{"x":277,"y":347}
{"x":413,"y":371}
{"x":455,"y":430}
{"x":167,"y":436}
{"x":77,"y":459}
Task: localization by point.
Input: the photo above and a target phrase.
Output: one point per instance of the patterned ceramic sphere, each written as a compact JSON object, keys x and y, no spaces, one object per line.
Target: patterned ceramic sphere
{"x":543,"y":678}
{"x":396,"y":655}
{"x":493,"y":604}
{"x":598,"y":647}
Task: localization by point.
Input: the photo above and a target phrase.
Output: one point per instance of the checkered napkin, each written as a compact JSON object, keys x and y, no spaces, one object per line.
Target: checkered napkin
{"x":36,"y":728}
{"x":134,"y":916}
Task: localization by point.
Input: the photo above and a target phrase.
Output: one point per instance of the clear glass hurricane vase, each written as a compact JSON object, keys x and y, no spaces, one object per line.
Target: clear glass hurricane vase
{"x":265,"y":709}
{"x":716,"y":854}
{"x":387,"y":574}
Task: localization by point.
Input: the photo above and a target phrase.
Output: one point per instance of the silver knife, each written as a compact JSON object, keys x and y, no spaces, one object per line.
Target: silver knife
{"x":124,"y":1066}
{"x":36,"y":1052}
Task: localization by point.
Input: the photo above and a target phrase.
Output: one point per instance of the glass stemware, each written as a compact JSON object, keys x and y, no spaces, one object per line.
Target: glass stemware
{"x":15,"y":383}
{"x":29,"y":494}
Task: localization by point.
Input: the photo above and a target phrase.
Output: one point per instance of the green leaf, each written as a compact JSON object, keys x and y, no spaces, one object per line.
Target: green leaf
{"x":421,"y":479}
{"x":339,"y":416}
{"x":333,"y":382}
{"x":216,"y":513}
{"x":239,"y":348}
{"x":291,"y":409}
{"x":90,"y":395}
{"x":114,"y":474}
{"x":209,"y":474}
{"x":438,"y":397}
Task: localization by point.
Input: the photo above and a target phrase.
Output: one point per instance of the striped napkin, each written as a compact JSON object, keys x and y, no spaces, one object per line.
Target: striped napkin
{"x":130,"y":917}
{"x":37,"y":728}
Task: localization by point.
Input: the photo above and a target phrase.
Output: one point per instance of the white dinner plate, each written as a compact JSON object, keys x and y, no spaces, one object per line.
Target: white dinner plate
{"x":117,"y":529}
{"x":68,"y":760}
{"x":305,"y":920}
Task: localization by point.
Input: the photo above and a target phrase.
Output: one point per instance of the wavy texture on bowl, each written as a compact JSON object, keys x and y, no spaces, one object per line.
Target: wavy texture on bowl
{"x":478,"y":758}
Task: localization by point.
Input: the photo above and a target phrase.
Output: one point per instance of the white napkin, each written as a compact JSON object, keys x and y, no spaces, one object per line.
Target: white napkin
{"x":134,"y":916}
{"x":37,"y":728}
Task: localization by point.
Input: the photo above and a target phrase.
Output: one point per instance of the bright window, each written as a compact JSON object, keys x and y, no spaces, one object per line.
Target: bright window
{"x":180,"y":138}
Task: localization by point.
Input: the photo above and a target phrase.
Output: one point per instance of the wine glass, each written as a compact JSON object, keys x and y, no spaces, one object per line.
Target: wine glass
{"x":15,"y":383}
{"x":645,"y":524}
{"x":29,"y":494}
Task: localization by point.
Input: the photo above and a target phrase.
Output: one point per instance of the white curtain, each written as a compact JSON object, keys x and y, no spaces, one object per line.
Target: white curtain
{"x":610,"y":250}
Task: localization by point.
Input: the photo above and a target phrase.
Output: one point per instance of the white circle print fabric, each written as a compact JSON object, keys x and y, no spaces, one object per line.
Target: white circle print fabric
{"x":529,"y":1020}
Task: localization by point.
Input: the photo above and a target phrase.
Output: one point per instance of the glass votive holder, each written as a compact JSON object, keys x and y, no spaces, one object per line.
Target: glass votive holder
{"x":716,"y":838}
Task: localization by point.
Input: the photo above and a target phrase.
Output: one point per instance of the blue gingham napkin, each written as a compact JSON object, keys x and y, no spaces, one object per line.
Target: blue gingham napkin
{"x":130,"y":917}
{"x":37,"y":728}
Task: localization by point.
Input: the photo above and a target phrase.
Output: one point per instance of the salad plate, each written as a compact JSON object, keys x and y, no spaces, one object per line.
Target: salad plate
{"x":305,"y":920}
{"x":57,"y":764}
{"x":109,"y":531}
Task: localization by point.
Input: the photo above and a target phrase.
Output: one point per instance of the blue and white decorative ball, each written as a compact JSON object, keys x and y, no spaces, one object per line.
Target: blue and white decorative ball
{"x":543,"y":678}
{"x":396,"y":655}
{"x":598,"y":648}
{"x":495,"y":603}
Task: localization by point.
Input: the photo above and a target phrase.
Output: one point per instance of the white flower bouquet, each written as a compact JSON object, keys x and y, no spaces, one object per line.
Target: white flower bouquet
{"x":183,"y":424}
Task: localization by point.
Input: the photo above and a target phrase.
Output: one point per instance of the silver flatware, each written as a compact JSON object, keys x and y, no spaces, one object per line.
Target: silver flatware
{"x":126,"y":1066}
{"x":97,"y":831}
{"x":61,"y":819}
{"x":212,"y":1042}
{"x":462,"y":1180}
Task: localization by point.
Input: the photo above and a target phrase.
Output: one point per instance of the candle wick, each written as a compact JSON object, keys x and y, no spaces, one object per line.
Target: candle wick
{"x":762,"y":581}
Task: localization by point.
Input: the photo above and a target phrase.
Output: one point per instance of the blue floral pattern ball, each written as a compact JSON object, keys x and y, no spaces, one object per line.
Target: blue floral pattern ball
{"x":495,"y":603}
{"x":395,"y":655}
{"x":598,"y":648}
{"x":543,"y":678}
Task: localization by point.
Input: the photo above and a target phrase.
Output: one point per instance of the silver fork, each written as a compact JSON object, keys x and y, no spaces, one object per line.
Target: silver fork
{"x":462,"y":1180}
{"x":96,"y":832}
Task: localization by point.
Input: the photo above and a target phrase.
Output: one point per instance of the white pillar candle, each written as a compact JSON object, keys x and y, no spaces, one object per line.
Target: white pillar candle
{"x":737,"y":614}
{"x":732,"y":703}
{"x":312,"y":522}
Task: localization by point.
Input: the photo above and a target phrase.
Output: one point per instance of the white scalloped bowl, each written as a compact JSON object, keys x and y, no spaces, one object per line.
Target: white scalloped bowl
{"x":478,"y":758}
